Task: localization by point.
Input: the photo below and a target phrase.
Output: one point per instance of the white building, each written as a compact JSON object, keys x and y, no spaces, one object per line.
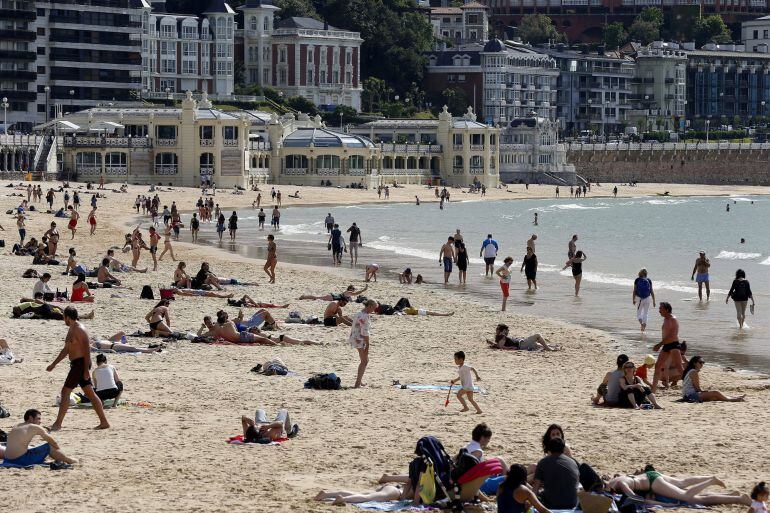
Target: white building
{"x":755,"y":34}
{"x":188,"y":53}
{"x":530,"y":152}
{"x":454,"y":26}
{"x":301,"y":57}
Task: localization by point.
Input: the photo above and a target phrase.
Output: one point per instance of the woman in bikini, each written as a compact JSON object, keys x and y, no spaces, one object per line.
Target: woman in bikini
{"x":181,"y":278}
{"x":634,"y":393}
{"x":159,"y":319}
{"x":687,"y":489}
{"x":80,"y":292}
{"x":167,"y":245}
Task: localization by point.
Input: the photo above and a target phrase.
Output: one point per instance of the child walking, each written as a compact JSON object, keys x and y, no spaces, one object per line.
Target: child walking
{"x":466,"y":382}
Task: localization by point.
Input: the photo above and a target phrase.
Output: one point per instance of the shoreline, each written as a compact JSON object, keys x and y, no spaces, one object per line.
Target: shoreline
{"x":171,"y":455}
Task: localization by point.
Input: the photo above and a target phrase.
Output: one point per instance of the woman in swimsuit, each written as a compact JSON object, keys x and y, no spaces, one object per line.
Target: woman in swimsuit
{"x":687,"y":490}
{"x":634,"y":392}
{"x":156,"y":318}
{"x":462,"y":262}
{"x":691,"y":390}
{"x":80,"y":292}
{"x":576,"y":262}
{"x":383,"y":493}
{"x":529,"y":268}
{"x":220,"y":225}
{"x":167,"y":245}
{"x":181,"y":279}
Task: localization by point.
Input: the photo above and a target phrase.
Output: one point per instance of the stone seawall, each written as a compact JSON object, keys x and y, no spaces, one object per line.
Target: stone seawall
{"x":696,"y":166}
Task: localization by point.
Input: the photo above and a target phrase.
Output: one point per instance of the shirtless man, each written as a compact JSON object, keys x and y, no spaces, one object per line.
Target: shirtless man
{"x":77,"y":346}
{"x":103,"y":274}
{"x":669,"y":347}
{"x":446,"y":256}
{"x":226,"y":330}
{"x":348,"y":294}
{"x":701,"y":267}
{"x":17,"y":452}
{"x":272,"y":259}
{"x":154,"y":239}
{"x":334,"y":315}
{"x":531,"y":242}
{"x":572,"y":246}
{"x":117,"y":265}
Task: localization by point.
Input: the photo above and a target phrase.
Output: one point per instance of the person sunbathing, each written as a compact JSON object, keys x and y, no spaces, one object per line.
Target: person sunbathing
{"x":159,"y":319}
{"x":181,"y":278}
{"x":421,"y":311}
{"x":531,"y":343}
{"x":17,"y":451}
{"x":348,"y":294}
{"x":688,"y":490}
{"x":6,"y":355}
{"x":116,"y":344}
{"x":227,"y":330}
{"x":260,"y":429}
{"x":200,"y":292}
{"x":119,"y":267}
{"x":335,"y":316}
{"x":383,"y":493}
{"x":248,"y":301}
{"x":40,"y":309}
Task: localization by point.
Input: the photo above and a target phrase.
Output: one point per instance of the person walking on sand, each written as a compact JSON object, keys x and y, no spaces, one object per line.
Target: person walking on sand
{"x":488,"y":251}
{"x":466,"y":382}
{"x":504,"y":273}
{"x":576,"y":262}
{"x":700,"y":273}
{"x":195,"y":225}
{"x":272,"y":258}
{"x":92,"y":219}
{"x":73,"y":224}
{"x":77,"y":347}
{"x":167,"y":244}
{"x":446,"y":256}
{"x":359,"y":338}
{"x":642,"y":296}
{"x":740,"y":291}
{"x":669,"y":347}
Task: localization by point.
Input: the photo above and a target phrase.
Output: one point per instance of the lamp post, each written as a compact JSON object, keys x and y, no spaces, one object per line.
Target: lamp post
{"x":47,"y":90}
{"x":72,"y":94}
{"x":168,"y":94}
{"x":5,"y":114}
{"x":589,"y":114}
{"x":708,"y":122}
{"x":763,"y":107}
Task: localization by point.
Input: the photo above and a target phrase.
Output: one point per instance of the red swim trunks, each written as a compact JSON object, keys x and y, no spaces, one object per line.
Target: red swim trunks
{"x":72,"y":224}
{"x":505,"y":287}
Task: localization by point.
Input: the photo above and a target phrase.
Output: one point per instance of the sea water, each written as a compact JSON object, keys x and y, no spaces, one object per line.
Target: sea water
{"x":619,"y":236}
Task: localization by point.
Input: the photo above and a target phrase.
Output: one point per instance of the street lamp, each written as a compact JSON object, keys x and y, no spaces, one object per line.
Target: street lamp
{"x":5,"y":114}
{"x":47,"y":90}
{"x":168,"y":94}
{"x":708,"y":122}
{"x":72,"y":94}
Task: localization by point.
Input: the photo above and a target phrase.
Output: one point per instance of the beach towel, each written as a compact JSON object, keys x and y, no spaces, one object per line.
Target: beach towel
{"x":107,"y":403}
{"x":390,"y":506}
{"x":491,"y":467}
{"x":238,"y":440}
{"x":431,"y":388}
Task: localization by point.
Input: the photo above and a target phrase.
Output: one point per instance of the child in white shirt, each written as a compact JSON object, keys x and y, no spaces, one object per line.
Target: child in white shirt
{"x":466,"y":382}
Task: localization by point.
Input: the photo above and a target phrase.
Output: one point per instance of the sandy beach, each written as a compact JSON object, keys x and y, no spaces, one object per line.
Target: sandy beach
{"x":166,"y":449}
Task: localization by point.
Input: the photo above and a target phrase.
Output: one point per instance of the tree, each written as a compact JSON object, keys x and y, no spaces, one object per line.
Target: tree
{"x":302,"y":104}
{"x":644,"y":32}
{"x":652,"y":15}
{"x":291,"y":8}
{"x":375,"y":91}
{"x":711,"y":29}
{"x":456,"y":100}
{"x":615,"y":35}
{"x":538,"y":28}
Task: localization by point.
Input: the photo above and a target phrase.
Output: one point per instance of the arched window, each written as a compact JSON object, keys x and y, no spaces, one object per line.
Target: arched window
{"x":166,"y":164}
{"x":400,"y":163}
{"x":387,"y":163}
{"x":411,"y":163}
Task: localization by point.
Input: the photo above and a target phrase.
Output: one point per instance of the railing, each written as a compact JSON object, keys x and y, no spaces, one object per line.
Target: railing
{"x":230,"y":142}
{"x":327,"y":171}
{"x":458,"y":170}
{"x":294,"y":171}
{"x":115,"y":170}
{"x":477,"y":171}
{"x":39,"y":153}
{"x":656,"y":146}
{"x":356,"y":171}
{"x":207,"y":142}
{"x":88,"y":170}
{"x":259,"y":171}
{"x":165,"y":143}
{"x":109,"y":142}
{"x":20,"y":140}
{"x":318,"y":33}
{"x":457,"y":147}
{"x":160,"y":95}
{"x":477,"y":147}
{"x":411,"y":148}
{"x":259,"y":145}
{"x":168,"y":169}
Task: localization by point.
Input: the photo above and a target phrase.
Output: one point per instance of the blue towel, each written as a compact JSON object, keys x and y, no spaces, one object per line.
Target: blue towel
{"x":388,"y":506}
{"x":421,"y":388}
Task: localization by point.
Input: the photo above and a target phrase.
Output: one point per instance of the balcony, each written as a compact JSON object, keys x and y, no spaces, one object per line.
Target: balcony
{"x":328,"y":171}
{"x":207,"y":142}
{"x":18,"y":55}
{"x":295,"y":171}
{"x":19,"y":75}
{"x":19,"y":96}
{"x":17,"y":35}
{"x":170,"y":169}
{"x":107,"y":142}
{"x":477,"y":147}
{"x":258,"y":145}
{"x":17,"y":14}
{"x":230,"y":142}
{"x":165,"y":143}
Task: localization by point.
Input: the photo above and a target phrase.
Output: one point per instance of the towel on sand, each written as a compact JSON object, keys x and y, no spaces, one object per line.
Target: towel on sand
{"x":238,"y":440}
{"x":430,"y":388}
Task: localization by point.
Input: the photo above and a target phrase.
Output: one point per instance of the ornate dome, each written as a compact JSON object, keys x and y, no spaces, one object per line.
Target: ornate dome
{"x":324,"y":138}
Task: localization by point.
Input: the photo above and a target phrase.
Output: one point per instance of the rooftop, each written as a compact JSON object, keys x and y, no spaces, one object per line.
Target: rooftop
{"x":324,"y":138}
{"x":446,"y":10}
{"x":305,"y":23}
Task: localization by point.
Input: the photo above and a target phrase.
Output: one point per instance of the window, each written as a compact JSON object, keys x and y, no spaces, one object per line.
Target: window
{"x":310,"y":52}
{"x":265,"y":25}
{"x":167,"y":30}
{"x":205,"y":67}
{"x":756,"y":34}
{"x":348,"y":56}
{"x":458,"y":162}
{"x":253,"y":23}
{"x":282,"y":76}
{"x":189,"y":49}
{"x":207,"y":162}
{"x":356,"y":162}
{"x":189,"y":67}
{"x":230,"y":133}
{"x":323,"y":76}
{"x":88,"y":159}
{"x":165,"y":131}
{"x":282,"y":54}
{"x":477,"y":162}
{"x":348,"y":77}
{"x":457,"y":139}
{"x":764,"y":34}
{"x":327,"y":162}
{"x":167,"y":66}
{"x":221,"y":50}
{"x":310,"y":77}
{"x":166,"y":164}
{"x":296,"y":161}
{"x":169,"y":84}
{"x":189,"y":32}
{"x":115,"y":159}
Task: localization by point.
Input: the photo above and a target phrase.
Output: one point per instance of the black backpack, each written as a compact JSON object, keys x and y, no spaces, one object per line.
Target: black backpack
{"x":324,"y":382}
{"x":402,"y":303}
{"x":464,"y":461}
{"x":146,"y":293}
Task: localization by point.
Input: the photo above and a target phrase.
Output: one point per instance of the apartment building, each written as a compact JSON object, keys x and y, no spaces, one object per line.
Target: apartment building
{"x":453,"y":26}
{"x":17,"y":61}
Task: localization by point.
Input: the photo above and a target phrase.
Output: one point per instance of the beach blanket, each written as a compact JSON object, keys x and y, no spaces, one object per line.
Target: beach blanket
{"x":432,"y":388}
{"x":238,"y":440}
{"x":108,"y":403}
{"x":390,"y":506}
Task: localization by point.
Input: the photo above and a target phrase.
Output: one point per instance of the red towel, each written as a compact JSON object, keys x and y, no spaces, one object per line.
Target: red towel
{"x":486,"y":468}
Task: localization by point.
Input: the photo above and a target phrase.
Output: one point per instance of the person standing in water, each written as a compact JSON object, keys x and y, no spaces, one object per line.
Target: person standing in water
{"x":489,"y":249}
{"x":572,"y":246}
{"x":462,"y":262}
{"x":233,"y":225}
{"x":740,"y":291}
{"x":354,"y":243}
{"x":700,"y":273}
{"x":576,"y":262}
{"x":504,"y":273}
{"x":329,"y":222}
{"x":446,"y":256}
{"x":642,"y":296}
{"x":529,"y":267}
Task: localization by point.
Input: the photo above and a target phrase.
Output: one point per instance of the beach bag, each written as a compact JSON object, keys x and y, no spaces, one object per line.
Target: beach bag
{"x":427,"y":484}
{"x":589,"y":479}
{"x":464,"y":461}
{"x":30,"y":273}
{"x":146,"y":293}
{"x":166,"y":293}
{"x":324,"y":382}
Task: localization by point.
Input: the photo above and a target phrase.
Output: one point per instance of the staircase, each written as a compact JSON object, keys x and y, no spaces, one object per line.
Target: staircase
{"x":558,"y":180}
{"x":40,"y":167}
{"x":585,"y":182}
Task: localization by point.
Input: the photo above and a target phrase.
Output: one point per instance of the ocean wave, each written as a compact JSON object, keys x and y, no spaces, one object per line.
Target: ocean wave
{"x":734,"y":255}
{"x":741,"y":198}
{"x":765,"y":262}
{"x":610,"y":279}
{"x":303,"y":228}
{"x":568,"y":206}
{"x":672,"y":201}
